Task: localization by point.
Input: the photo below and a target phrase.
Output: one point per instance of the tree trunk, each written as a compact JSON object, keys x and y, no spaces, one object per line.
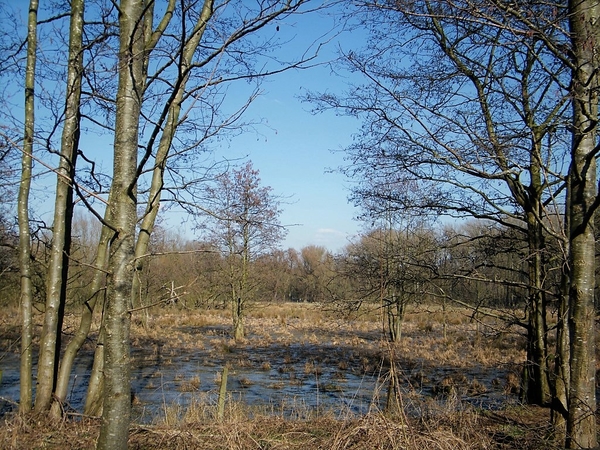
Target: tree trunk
{"x":26,"y":378}
{"x":395,"y":316}
{"x":235,"y":299}
{"x":585,"y":30}
{"x":538,"y":385}
{"x":63,"y":217}
{"x":95,"y":394}
{"x":117,"y":389}
{"x":98,"y":289}
{"x":173,"y":107}
{"x":238,"y":319}
{"x":559,"y":413}
{"x":393,"y":398}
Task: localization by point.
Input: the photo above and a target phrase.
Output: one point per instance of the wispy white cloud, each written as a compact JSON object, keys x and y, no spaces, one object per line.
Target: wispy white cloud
{"x":329,"y":231}
{"x":331,"y":238}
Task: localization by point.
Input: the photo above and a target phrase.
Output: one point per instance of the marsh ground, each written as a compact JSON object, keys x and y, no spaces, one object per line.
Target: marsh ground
{"x":306,"y":378}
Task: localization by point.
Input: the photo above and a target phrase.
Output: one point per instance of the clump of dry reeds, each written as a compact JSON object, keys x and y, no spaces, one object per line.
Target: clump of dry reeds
{"x":190,"y":385}
{"x":244,"y":428}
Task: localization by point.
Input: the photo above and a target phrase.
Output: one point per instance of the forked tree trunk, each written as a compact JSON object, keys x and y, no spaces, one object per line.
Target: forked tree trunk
{"x":26,"y":378}
{"x":117,"y":389}
{"x":173,"y":107}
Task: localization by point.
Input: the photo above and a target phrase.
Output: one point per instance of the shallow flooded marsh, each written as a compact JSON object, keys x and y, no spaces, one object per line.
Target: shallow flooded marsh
{"x":299,"y":361}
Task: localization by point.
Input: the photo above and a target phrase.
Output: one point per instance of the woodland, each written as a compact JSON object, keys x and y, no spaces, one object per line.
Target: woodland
{"x":474,"y":172}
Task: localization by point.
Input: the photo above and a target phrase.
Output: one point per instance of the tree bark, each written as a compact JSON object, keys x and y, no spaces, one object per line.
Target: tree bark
{"x":26,"y":383}
{"x":87,"y":314}
{"x":238,"y":320}
{"x":63,"y":216}
{"x":93,"y":399}
{"x":538,"y":386}
{"x":117,"y":389}
{"x":585,"y":30}
{"x":559,"y":412}
{"x":95,"y":394}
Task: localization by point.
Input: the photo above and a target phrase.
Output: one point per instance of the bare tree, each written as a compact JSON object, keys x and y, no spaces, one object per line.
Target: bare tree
{"x":243,"y":221}
{"x":215,"y":64}
{"x":389,"y":269}
{"x":466,"y":129}
{"x":173,"y":77}
{"x":181,"y":78}
{"x":479,"y":119}
{"x":314,"y":273}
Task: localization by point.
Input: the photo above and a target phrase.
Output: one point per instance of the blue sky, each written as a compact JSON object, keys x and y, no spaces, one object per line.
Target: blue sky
{"x":294,"y":156}
{"x":295,"y":150}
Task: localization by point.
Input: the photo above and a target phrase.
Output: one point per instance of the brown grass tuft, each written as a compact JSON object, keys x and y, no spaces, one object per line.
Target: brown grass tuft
{"x":245,"y":428}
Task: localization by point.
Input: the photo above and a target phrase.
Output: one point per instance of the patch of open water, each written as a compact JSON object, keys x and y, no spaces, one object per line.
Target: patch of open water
{"x":287,"y":379}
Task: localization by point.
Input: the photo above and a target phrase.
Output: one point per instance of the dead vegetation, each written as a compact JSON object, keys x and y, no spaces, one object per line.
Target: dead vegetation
{"x":442,"y":422}
{"x":520,"y":428}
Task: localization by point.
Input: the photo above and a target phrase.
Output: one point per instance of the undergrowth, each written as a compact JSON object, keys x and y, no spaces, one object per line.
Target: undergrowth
{"x":517,"y":428}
